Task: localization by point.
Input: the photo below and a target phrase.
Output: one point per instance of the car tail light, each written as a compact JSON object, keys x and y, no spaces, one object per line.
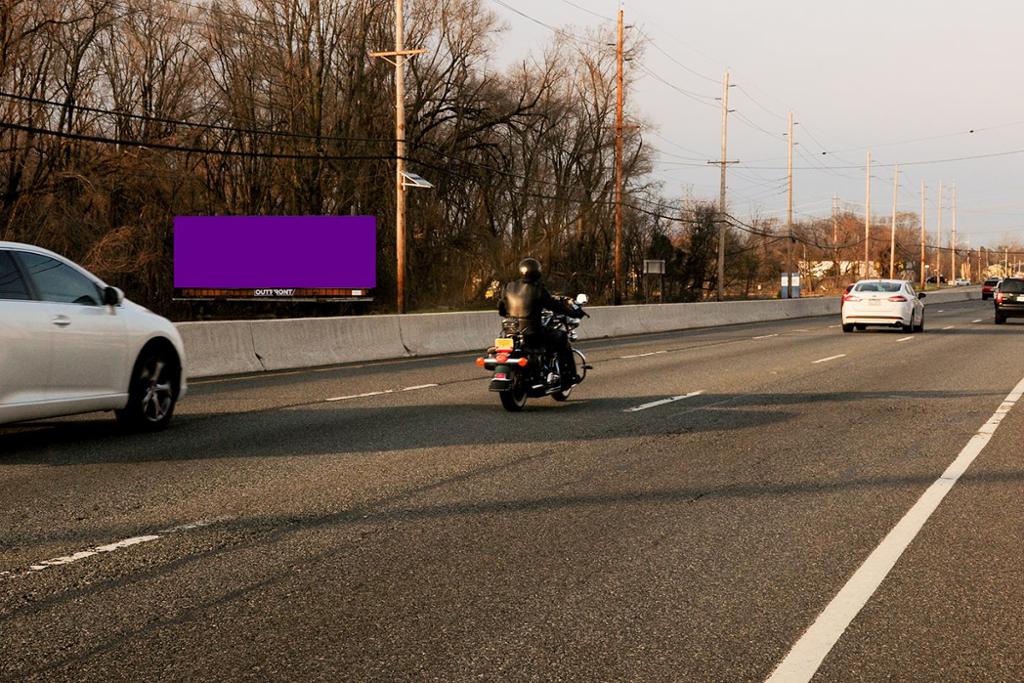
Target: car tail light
{"x":999,"y":297}
{"x":898,"y":297}
{"x":850,"y":297}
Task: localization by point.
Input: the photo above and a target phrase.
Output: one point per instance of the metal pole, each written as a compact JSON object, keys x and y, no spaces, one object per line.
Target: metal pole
{"x":400,"y":152}
{"x":721,"y":191}
{"x":835,"y":241}
{"x":892,"y":232}
{"x":789,"y":216}
{"x":617,"y":294}
{"x":923,"y":255}
{"x":867,"y":220}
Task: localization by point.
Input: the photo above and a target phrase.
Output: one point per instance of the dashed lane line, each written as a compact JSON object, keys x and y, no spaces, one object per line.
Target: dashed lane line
{"x":766,"y":336}
{"x":948,"y":327}
{"x":102,"y":549}
{"x":806,"y":656}
{"x":976,"y":321}
{"x":904,"y":339}
{"x":664,"y":401}
{"x":825,"y":360}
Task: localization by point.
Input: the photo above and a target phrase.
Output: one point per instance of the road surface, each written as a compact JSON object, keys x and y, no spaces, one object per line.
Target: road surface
{"x":392,"y":522}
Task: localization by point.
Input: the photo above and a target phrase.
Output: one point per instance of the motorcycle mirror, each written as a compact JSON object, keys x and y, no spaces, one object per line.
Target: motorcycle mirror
{"x":581,"y":299}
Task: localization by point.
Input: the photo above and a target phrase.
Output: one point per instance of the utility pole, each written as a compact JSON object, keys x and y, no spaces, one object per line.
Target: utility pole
{"x":789,"y":216}
{"x":721,"y":192}
{"x":399,"y":54}
{"x":835,"y":240}
{"x":892,"y":232}
{"x":867,"y":220}
{"x":938,"y":243}
{"x":953,"y":275}
{"x":922,"y":221}
{"x":617,"y":294}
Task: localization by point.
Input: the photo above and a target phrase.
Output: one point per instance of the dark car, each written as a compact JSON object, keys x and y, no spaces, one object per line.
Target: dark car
{"x":1009,"y":299}
{"x":935,"y":280}
{"x":989,"y":287}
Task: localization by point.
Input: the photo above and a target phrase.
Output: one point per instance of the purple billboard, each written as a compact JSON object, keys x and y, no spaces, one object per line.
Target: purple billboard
{"x":264,"y":253}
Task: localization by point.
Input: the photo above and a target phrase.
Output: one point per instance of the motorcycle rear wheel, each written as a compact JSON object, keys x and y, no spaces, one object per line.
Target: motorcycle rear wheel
{"x":514,"y":399}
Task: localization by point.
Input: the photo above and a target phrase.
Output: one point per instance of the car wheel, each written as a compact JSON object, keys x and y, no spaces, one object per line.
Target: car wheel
{"x":152,"y":393}
{"x":920,"y":324}
{"x":1000,"y":319}
{"x":860,"y":327}
{"x":909,"y":327}
{"x":847,"y":327}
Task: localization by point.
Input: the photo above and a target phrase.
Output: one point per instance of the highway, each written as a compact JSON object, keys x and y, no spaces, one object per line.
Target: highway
{"x":391,"y":522}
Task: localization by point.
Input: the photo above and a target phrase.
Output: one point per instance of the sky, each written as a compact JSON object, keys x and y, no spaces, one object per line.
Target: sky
{"x":906,"y":79}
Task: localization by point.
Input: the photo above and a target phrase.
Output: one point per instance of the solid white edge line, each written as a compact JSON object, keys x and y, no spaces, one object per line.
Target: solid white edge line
{"x":655,"y":404}
{"x":825,"y":360}
{"x":765,"y":336}
{"x":643,"y":355}
{"x":420,"y":386}
{"x":904,"y":339}
{"x":807,"y":654}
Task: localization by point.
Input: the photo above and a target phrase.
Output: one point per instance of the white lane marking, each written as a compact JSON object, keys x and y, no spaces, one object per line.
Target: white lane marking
{"x":419,"y":386}
{"x":108,"y":548}
{"x":941,"y":310}
{"x":948,"y":327}
{"x":82,"y":554}
{"x":810,"y":650}
{"x":801,"y":330}
{"x":904,"y":339}
{"x":664,"y":401}
{"x":825,"y":360}
{"x":642,"y":355}
{"x":976,"y":321}
{"x":366,"y":395}
{"x":832,"y":326}
{"x":765,"y":336}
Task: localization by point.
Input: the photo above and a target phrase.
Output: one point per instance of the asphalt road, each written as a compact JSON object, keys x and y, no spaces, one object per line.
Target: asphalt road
{"x":424,"y":533}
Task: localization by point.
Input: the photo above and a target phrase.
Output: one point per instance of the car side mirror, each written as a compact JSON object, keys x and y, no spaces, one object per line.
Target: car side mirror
{"x":112,"y":296}
{"x":582,"y":299}
{"x":921,"y":295}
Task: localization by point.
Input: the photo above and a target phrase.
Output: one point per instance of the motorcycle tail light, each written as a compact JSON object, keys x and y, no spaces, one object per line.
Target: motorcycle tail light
{"x":480,"y":362}
{"x":522,"y":362}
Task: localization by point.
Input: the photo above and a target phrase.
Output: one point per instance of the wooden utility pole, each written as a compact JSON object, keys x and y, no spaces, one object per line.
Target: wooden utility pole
{"x":938,"y":242}
{"x":892,"y":231}
{"x":924,"y":258}
{"x":617,"y":294}
{"x":721,"y":191}
{"x":789,"y":216}
{"x":835,"y":241}
{"x":952,"y":269}
{"x":399,"y":54}
{"x":867,"y":220}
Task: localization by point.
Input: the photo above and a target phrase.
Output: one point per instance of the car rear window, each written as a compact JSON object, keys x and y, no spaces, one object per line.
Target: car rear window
{"x":1012,"y":286}
{"x":879,"y":287}
{"x":12,"y":286}
{"x":992,"y":281}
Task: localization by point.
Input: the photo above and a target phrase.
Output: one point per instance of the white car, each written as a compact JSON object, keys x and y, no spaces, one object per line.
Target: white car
{"x":71,"y":344}
{"x":962,"y":282}
{"x":887,"y":303}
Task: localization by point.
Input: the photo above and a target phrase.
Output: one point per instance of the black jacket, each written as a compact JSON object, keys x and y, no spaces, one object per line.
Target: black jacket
{"x":526,"y":301}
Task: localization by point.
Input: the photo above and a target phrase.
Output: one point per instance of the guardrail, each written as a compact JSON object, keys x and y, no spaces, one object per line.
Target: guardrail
{"x":246,"y":346}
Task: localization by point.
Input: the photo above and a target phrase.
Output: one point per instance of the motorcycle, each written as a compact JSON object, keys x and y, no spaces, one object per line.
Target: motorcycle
{"x":522,"y":371}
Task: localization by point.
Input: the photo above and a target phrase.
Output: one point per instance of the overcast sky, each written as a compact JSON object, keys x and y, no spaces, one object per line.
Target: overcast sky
{"x":856,"y":75}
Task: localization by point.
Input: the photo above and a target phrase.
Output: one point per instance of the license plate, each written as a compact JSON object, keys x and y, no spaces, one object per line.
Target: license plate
{"x":1020,"y":297}
{"x":504,"y":344}
{"x":875,"y":302}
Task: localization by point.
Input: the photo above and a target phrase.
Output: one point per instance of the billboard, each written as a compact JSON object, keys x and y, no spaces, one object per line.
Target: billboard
{"x":261,"y":257}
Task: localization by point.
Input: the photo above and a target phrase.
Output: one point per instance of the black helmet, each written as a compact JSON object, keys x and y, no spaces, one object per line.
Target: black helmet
{"x":529,"y":268}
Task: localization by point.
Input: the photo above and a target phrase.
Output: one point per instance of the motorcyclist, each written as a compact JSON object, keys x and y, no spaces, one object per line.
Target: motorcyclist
{"x":524,"y":300}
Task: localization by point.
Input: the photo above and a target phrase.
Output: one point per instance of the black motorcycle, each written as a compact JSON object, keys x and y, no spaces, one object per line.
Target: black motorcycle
{"x":522,"y":371}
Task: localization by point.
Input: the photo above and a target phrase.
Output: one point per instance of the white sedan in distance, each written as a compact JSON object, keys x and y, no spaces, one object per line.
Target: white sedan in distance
{"x":69,"y":343}
{"x":886,"y":303}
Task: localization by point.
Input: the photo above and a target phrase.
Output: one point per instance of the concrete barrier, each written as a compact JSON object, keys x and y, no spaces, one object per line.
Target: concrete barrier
{"x":309,"y":342}
{"x":219,"y":348}
{"x":233,"y":347}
